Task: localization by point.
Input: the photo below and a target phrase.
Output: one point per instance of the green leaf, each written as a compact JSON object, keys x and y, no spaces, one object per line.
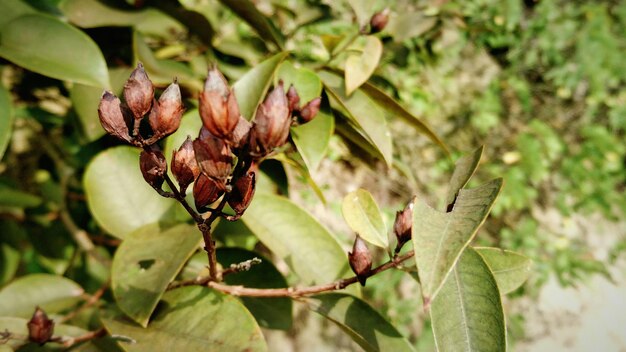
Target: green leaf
{"x":259,"y":22}
{"x":363,"y":216}
{"x":250,"y":89}
{"x":9,"y":263}
{"x":467,"y":314}
{"x":464,"y":168}
{"x":296,"y":237}
{"x":193,"y":319}
{"x":510,"y":269}
{"x":409,"y":24}
{"x":440,"y":238}
{"x":364,"y":116}
{"x":6,"y":119}
{"x":146,"y":262}
{"x":53,"y":48}
{"x":93,"y":14}
{"x":392,"y":107}
{"x":85,"y":100}
{"x":306,"y":82}
{"x":14,"y":198}
{"x":270,"y":313}
{"x":19,"y":327}
{"x":52,"y":293}
{"x":11,"y":9}
{"x":359,"y":68}
{"x":119,"y":198}
{"x":360,"y":321}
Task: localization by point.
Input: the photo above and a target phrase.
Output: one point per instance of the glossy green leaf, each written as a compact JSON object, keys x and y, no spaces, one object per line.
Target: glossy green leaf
{"x":14,"y":198}
{"x":19,"y":327}
{"x":407,"y":25}
{"x":363,"y":10}
{"x":85,"y":101}
{"x":464,"y":168}
{"x":9,"y":263}
{"x":250,"y":89}
{"x":146,"y":262}
{"x":119,"y":198}
{"x":272,"y":312}
{"x":439,"y":238}
{"x":306,"y":82}
{"x":53,"y":48}
{"x":296,"y":237}
{"x":52,"y":293}
{"x":6,"y":119}
{"x":467,"y":314}
{"x":510,"y":269}
{"x":394,"y":108}
{"x":262,"y":24}
{"x":363,"y":216}
{"x":193,"y":319}
{"x":359,"y":67}
{"x":11,"y":9}
{"x":360,"y":321}
{"x":365,"y":116}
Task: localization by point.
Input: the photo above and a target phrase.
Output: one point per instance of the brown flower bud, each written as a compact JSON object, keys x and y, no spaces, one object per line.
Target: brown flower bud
{"x":206,"y":191}
{"x":138,"y":92}
{"x":310,"y":110}
{"x":112,"y":117}
{"x":167,"y":112}
{"x":242,"y":193}
{"x":218,"y":105}
{"x":272,"y":122}
{"x":403,"y":224}
{"x":293,"y":98}
{"x":241,"y":133}
{"x":213,"y":157}
{"x":153,"y":167}
{"x":40,"y":328}
{"x":360,"y":260}
{"x":379,"y":21}
{"x":184,"y":165}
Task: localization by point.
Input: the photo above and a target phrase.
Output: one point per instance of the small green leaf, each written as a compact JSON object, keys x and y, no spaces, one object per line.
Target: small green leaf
{"x":464,"y":168}
{"x":19,"y":328}
{"x":363,"y":115}
{"x":11,"y":9}
{"x":6,"y":119}
{"x":261,"y":23}
{"x":360,"y":321}
{"x":359,"y":68}
{"x":146,"y":262}
{"x":296,"y":237}
{"x":250,"y":89}
{"x":272,"y":312}
{"x":52,"y":293}
{"x":439,"y":238}
{"x":53,"y":48}
{"x":510,"y":269}
{"x":363,"y":216}
{"x":14,"y":198}
{"x":409,"y":24}
{"x":9,"y":263}
{"x":193,"y":319}
{"x":392,"y":107}
{"x":119,"y":198}
{"x":306,"y":82}
{"x":467,"y":314}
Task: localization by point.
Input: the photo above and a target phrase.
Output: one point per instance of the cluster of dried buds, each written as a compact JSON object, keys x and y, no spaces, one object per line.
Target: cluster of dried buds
{"x":40,"y":327}
{"x":360,"y":258}
{"x":223,"y":159}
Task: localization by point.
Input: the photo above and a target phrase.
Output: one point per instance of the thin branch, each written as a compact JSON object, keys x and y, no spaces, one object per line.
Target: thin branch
{"x":68,"y":341}
{"x":243,"y":266}
{"x":92,"y":300}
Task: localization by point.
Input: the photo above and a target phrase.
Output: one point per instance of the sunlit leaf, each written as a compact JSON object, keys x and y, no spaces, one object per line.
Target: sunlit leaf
{"x":261,"y":23}
{"x":464,"y":168}
{"x":19,"y":327}
{"x":360,"y":321}
{"x":11,"y":9}
{"x":359,"y":67}
{"x":119,"y":198}
{"x":407,"y":25}
{"x":9,"y":263}
{"x":296,"y":237}
{"x":193,"y":319}
{"x":363,"y":216}
{"x":250,"y":89}
{"x":14,"y":198}
{"x":467,"y":314}
{"x":146,"y":262}
{"x":6,"y":119}
{"x":439,"y":238}
{"x":50,"y":292}
{"x":53,"y":48}
{"x":510,"y":269}
{"x":269,"y":312}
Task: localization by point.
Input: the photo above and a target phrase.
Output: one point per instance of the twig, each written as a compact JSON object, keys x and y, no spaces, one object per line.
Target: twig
{"x":243,"y":266}
{"x":93,"y":299}
{"x":68,"y":341}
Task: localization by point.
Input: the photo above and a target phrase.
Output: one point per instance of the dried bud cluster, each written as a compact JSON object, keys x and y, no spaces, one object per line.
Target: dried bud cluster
{"x":403,"y":225}
{"x":123,"y":120}
{"x":40,"y":328}
{"x":360,"y":260}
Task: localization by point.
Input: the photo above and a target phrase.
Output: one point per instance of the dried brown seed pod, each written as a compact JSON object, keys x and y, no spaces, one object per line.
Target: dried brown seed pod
{"x":213,"y":156}
{"x":243,"y":190}
{"x":184,"y":165}
{"x":218,"y":105}
{"x":112,"y":116}
{"x":403,"y":225}
{"x":360,"y":260}
{"x":293,"y":98}
{"x":167,"y":112}
{"x":40,"y":328}
{"x":153,"y":167}
{"x":310,"y":110}
{"x":379,"y":21}
{"x":241,"y":133}
{"x":138,"y":92}
{"x":272,"y":120}
{"x":206,"y":191}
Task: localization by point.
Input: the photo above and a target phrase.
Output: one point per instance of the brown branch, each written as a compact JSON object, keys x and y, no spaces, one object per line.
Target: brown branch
{"x":291,"y":291}
{"x":68,"y":341}
{"x":91,"y":300}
